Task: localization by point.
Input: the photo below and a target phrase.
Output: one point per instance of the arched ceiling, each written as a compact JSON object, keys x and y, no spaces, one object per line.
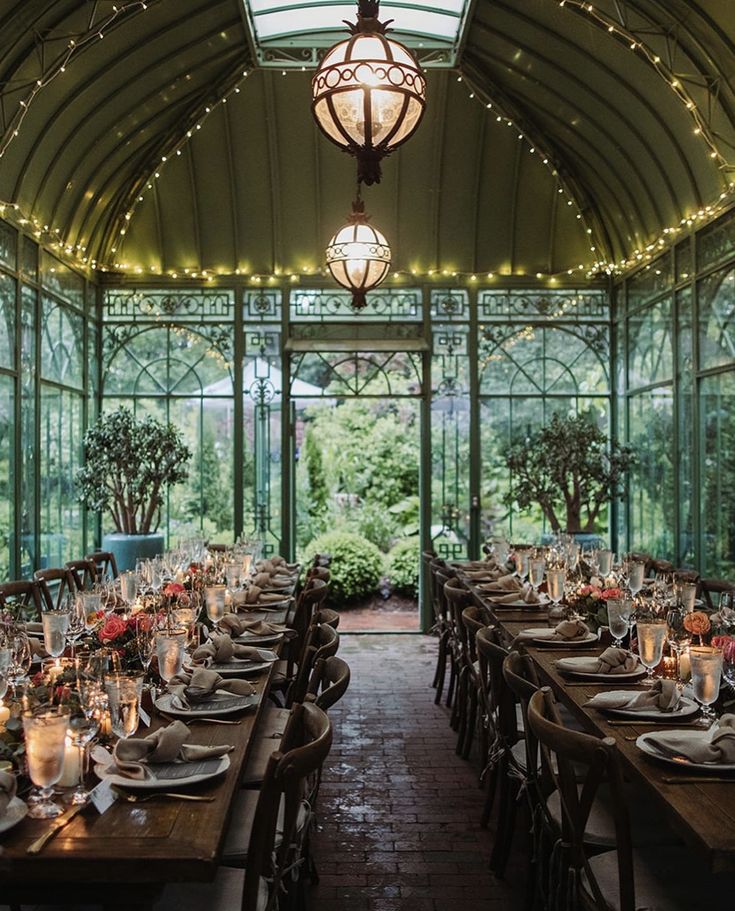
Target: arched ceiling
{"x":632,"y":104}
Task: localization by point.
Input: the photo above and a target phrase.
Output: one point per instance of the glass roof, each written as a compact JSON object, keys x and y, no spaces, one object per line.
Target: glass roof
{"x":291,"y":32}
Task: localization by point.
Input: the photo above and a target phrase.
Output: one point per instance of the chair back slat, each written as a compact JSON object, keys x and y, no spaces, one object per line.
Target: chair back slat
{"x":328,"y":682}
{"x":59,"y":578}
{"x":25,"y":592}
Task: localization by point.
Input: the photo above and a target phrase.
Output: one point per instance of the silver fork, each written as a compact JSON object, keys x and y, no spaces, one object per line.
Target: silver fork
{"x":142,"y":798}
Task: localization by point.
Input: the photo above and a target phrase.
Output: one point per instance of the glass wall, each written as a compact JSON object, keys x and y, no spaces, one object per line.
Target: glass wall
{"x":675,"y":322}
{"x":47,"y":368}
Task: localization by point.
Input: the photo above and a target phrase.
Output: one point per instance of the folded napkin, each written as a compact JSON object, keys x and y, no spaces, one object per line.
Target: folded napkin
{"x":235,"y":626}
{"x":525,"y":594}
{"x":611,"y":661}
{"x":715,"y":745}
{"x":271,"y":565}
{"x":167,"y":744}
{"x":662,"y":696}
{"x":220,"y":649}
{"x":38,"y":650}
{"x":483,"y":574}
{"x":566,"y":631}
{"x":254,"y":596}
{"x":7,"y":791}
{"x":188,"y":689}
{"x":508,"y":583}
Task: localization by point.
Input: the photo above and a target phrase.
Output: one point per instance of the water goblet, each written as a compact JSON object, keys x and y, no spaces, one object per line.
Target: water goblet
{"x":55,"y":626}
{"x":129,"y":587}
{"x":618,"y":618}
{"x":522,"y":561}
{"x":651,"y":635}
{"x":677,"y":636}
{"x":83,"y":726}
{"x":92,"y":606}
{"x":687,"y":595}
{"x":555,"y":579}
{"x":706,"y":674}
{"x":214,"y":596}
{"x":45,"y":739}
{"x":604,"y":562}
{"x":124,"y":692}
{"x":21,"y":655}
{"x":636,"y":572}
{"x":536,"y":569}
{"x":170,"y":648}
{"x":77,"y":621}
{"x":232,"y":575}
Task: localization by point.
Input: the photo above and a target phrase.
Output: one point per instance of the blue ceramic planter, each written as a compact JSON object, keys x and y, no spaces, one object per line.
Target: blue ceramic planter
{"x":129,"y":548}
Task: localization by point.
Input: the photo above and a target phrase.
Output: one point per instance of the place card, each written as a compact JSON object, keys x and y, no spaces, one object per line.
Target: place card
{"x":144,"y":716}
{"x":102,"y":796}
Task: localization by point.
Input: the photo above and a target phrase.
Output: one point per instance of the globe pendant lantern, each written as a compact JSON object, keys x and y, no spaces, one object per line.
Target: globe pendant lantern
{"x":369,"y":93}
{"x":358,"y":256}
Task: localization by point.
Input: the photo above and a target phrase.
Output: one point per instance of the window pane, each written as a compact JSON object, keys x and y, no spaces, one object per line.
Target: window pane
{"x":650,"y":357}
{"x":685,"y":417}
{"x":7,"y":321}
{"x":28,"y":421}
{"x":62,"y":345}
{"x":62,"y":280}
{"x":717,"y":319}
{"x":716,"y":242}
{"x":8,"y":245}
{"x":7,"y":479}
{"x":717,"y":435}
{"x":651,"y":493}
{"x":61,"y":456}
{"x":651,"y":280}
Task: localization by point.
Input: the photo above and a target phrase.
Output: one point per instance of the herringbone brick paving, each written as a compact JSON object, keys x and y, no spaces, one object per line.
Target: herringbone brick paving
{"x":399,"y":811}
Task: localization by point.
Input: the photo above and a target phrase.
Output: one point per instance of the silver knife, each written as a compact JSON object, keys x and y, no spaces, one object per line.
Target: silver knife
{"x":56,"y":826}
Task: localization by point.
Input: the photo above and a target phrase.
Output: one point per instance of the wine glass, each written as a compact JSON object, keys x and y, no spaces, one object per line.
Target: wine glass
{"x":170,"y":648}
{"x":232,"y":575}
{"x":651,"y":635}
{"x":706,"y":675}
{"x":83,"y":726}
{"x":522,"y":560}
{"x":55,"y":626}
{"x":214,"y":596}
{"x":536,"y":569}
{"x":618,"y":618}
{"x":555,"y":579}
{"x":145,"y":640}
{"x":45,"y":739}
{"x":129,"y":587}
{"x":77,"y":621}
{"x":21,"y":655}
{"x":636,"y":572}
{"x":124,"y":692}
{"x":604,"y":562}
{"x":677,"y":635}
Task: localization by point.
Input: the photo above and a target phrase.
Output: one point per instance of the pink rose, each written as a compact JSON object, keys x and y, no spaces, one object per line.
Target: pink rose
{"x":113,"y":628}
{"x":585,"y":590}
{"x":173,"y":589}
{"x":611,"y":593}
{"x":727,"y":645}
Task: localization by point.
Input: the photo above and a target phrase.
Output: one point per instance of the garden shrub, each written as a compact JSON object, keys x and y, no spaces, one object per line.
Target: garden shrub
{"x":403,"y":566}
{"x":356,"y":566}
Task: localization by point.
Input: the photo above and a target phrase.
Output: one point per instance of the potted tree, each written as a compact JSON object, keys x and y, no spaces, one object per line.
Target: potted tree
{"x":571,"y":470}
{"x":128,"y":466}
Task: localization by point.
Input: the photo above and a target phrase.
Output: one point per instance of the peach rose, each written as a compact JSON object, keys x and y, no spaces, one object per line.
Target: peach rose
{"x":114,"y":627}
{"x":697,"y":623}
{"x":173,"y":588}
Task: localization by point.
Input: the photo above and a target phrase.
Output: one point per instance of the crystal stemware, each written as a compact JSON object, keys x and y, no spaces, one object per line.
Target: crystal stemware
{"x":677,"y":636}
{"x":45,"y":739}
{"x":651,"y":635}
{"x":706,"y":674}
{"x":214,"y":596}
{"x":77,"y":621}
{"x":21,"y":655}
{"x":124,"y":692}
{"x":170,"y":648}
{"x":636,"y":572}
{"x":604,"y":562}
{"x":536,"y":570}
{"x":522,"y":561}
{"x":83,"y":726}
{"x":618,"y":618}
{"x":555,"y":579}
{"x":55,"y":626}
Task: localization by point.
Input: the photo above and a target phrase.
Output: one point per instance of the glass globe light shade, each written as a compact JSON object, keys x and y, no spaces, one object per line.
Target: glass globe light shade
{"x":358,"y":256}
{"x":369,"y":95}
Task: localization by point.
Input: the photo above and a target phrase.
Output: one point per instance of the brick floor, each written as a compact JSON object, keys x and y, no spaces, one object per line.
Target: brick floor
{"x":399,"y":813}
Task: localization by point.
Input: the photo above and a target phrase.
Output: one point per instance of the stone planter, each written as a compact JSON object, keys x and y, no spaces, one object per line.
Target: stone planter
{"x":129,"y":548}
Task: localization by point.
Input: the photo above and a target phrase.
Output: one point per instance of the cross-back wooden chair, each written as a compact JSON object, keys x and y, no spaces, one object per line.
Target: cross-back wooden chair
{"x":441,"y":626}
{"x":473,"y":619}
{"x":58,"y":578}
{"x":83,"y":572}
{"x":24,"y":592}
{"x":106,"y":565}
{"x":627,"y":878}
{"x":442,"y":575}
{"x":713,"y":588}
{"x":457,"y":598}
{"x":328,"y":682}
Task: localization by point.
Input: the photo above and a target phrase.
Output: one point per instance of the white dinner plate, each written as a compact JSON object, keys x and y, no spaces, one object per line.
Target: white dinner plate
{"x":264,"y":605}
{"x":222,"y":703}
{"x":14,"y":812}
{"x":240,"y":668}
{"x":210,"y":768}
{"x":687,"y":708}
{"x":566,"y":666}
{"x":681,"y":762}
{"x":545,"y":636}
{"x":264,"y":639}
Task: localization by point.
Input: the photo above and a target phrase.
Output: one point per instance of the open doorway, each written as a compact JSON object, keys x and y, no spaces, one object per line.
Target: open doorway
{"x":356,"y":422}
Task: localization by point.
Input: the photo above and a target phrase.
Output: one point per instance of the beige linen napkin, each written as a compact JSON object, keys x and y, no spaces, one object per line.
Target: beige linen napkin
{"x":220,"y":649}
{"x":566,"y":631}
{"x":235,"y":626}
{"x":254,"y":596}
{"x":611,"y":661}
{"x":167,"y":744}
{"x":509,"y":583}
{"x":7,"y":791}
{"x":715,"y":745}
{"x":663,"y":696}
{"x":526,"y":594}
{"x":188,"y":689}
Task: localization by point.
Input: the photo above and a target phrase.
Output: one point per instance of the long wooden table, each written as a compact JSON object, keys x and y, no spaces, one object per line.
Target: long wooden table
{"x":702,"y":813}
{"x":140,"y":847}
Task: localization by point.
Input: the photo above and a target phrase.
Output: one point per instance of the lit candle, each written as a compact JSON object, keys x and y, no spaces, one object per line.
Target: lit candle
{"x":685,"y":665}
{"x":4,"y":714}
{"x":70,"y":773}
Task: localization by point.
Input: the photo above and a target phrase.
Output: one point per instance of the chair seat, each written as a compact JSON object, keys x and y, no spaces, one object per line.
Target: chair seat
{"x":237,"y":839}
{"x":666,"y":879}
{"x":270,"y":729}
{"x":600,"y":830}
{"x":224,"y":894}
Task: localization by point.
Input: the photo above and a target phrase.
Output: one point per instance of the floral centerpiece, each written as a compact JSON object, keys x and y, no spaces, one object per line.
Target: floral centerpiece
{"x":590,"y":600}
